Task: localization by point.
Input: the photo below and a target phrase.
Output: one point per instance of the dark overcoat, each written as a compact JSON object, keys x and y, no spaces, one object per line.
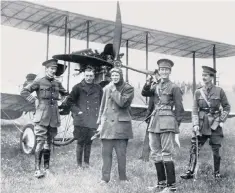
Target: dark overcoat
{"x":84,"y":102}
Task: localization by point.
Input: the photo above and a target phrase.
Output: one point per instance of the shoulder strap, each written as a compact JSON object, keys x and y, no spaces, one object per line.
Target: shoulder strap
{"x":204,"y":97}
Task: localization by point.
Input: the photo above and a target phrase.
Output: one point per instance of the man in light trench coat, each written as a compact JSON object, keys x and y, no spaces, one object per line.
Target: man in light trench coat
{"x":115,"y":123}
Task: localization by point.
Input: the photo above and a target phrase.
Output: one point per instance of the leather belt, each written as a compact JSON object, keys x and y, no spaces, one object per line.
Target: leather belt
{"x":49,"y":102}
{"x":163,"y":107}
{"x":210,"y":110}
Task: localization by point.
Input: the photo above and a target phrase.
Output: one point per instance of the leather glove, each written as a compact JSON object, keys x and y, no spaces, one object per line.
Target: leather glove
{"x":149,"y":79}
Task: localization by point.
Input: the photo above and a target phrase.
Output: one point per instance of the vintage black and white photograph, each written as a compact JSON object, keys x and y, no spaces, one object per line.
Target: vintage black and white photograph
{"x":117,"y":96}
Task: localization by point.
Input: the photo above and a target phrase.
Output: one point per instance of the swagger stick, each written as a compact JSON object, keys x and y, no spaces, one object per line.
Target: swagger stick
{"x":197,"y":156}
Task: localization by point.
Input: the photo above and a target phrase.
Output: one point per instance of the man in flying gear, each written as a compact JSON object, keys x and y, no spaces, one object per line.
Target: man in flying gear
{"x":208,"y":121}
{"x":47,"y":117}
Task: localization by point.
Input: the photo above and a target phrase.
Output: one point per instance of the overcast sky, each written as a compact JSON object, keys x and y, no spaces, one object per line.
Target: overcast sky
{"x":24,"y":51}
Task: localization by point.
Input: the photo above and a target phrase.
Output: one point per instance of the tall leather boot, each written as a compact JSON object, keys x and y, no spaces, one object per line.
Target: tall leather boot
{"x":79,"y":152}
{"x":87,"y":153}
{"x":217,"y":166}
{"x":161,"y":175}
{"x":46,"y":155}
{"x":38,"y":157}
{"x":170,"y":175}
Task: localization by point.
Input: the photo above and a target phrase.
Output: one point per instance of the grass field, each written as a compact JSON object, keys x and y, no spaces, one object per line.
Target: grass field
{"x":17,"y":168}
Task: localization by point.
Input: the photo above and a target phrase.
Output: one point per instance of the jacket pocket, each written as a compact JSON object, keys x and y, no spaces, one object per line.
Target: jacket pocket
{"x":215,"y":101}
{"x":167,"y":122}
{"x":44,"y":91}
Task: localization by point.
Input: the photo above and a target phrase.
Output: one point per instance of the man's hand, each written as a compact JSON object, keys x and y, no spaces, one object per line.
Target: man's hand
{"x":112,"y":87}
{"x":221,"y":124}
{"x":36,"y":103}
{"x":149,"y":79}
{"x":196,"y":130}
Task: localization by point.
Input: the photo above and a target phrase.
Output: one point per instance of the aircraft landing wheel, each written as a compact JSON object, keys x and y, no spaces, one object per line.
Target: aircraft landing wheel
{"x":65,"y":131}
{"x":28,"y":139}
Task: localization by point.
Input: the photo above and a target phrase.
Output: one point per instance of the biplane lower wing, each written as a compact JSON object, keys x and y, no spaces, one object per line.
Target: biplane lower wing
{"x":13,"y":106}
{"x":139,"y":112}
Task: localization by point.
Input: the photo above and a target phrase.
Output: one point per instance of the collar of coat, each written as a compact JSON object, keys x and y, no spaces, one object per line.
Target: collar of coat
{"x":118,"y":88}
{"x":211,"y":90}
{"x":87,"y":88}
{"x":49,"y":78}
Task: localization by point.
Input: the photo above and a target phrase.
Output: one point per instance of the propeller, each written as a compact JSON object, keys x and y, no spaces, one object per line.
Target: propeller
{"x":117,"y":33}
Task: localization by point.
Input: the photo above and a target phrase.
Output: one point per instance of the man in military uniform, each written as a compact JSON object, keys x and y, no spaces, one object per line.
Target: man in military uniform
{"x":84,"y":102}
{"x":208,"y":120}
{"x":150,"y":80}
{"x":164,"y":125}
{"x":47,"y":116}
{"x":29,"y":79}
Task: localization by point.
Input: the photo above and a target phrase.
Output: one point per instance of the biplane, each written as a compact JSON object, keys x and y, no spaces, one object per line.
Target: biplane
{"x":39,"y":18}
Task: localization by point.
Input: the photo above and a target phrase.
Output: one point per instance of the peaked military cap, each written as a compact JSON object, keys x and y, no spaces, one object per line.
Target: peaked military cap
{"x":51,"y":62}
{"x":209,"y":70}
{"x":165,"y":63}
{"x":30,"y":77}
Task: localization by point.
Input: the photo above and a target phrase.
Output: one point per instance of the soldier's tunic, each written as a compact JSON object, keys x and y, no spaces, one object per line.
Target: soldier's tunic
{"x":47,"y":116}
{"x":208,"y":118}
{"x":165,"y":122}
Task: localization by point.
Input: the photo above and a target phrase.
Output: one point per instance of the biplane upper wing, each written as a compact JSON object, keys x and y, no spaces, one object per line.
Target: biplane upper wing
{"x":35,"y":17}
